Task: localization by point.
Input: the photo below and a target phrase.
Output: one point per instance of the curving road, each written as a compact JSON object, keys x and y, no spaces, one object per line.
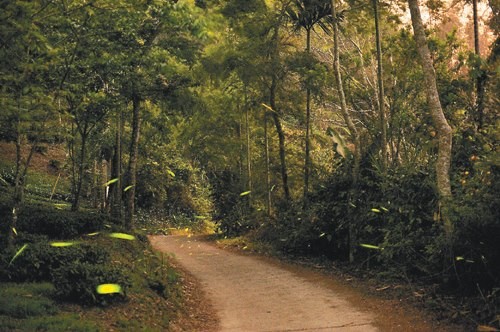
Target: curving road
{"x":253,"y":294}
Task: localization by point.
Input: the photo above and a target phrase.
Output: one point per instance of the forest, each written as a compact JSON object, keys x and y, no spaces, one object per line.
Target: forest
{"x":362,"y":132}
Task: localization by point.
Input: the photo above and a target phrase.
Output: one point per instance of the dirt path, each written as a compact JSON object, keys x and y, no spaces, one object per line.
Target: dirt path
{"x":257,"y":294}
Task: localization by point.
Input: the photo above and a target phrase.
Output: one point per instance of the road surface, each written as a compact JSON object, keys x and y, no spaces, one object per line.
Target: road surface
{"x":253,"y":294}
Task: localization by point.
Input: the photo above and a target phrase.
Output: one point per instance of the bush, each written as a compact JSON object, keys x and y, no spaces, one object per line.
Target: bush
{"x":38,"y":261}
{"x":77,"y":282}
{"x":58,"y":224}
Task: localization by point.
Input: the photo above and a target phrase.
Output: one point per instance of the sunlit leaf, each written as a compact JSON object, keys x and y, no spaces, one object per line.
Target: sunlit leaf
{"x":128,"y":188}
{"x":14,"y":230}
{"x":383,"y":208}
{"x":110,"y":182}
{"x":93,"y":234}
{"x":200,"y":217}
{"x":122,"y":236}
{"x":459,"y":258}
{"x":172,"y":174}
{"x":62,"y":244}
{"x":370,"y":246}
{"x":19,"y":252}
{"x":376,"y":210}
{"x":245,"y":193}
{"x":108,"y":289}
{"x":352,"y":205}
{"x":322,"y":234}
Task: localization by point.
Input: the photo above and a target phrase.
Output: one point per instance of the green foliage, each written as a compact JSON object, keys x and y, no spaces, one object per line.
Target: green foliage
{"x":61,"y":322}
{"x":59,"y":224}
{"x":77,"y":282}
{"x":30,"y":307}
{"x":28,"y":300}
{"x":39,"y":260}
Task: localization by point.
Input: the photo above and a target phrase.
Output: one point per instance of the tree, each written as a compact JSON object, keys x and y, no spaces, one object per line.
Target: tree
{"x":380,"y":80}
{"x":480,"y":72}
{"x":306,"y":15}
{"x":443,"y":128}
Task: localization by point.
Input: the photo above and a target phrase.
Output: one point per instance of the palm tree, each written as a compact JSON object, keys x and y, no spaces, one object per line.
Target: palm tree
{"x":307,"y":14}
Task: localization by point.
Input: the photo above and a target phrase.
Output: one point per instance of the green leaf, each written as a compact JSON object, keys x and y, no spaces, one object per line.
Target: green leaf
{"x":383,"y":208}
{"x":122,"y":236}
{"x":172,"y":174}
{"x":376,"y":210}
{"x":370,"y":246}
{"x":245,"y":193}
{"x":93,"y":234}
{"x":108,"y":289}
{"x":110,"y":182}
{"x":18,"y":253}
{"x":14,"y":230}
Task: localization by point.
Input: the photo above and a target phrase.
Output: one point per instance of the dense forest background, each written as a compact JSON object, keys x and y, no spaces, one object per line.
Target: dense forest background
{"x":327,"y":128}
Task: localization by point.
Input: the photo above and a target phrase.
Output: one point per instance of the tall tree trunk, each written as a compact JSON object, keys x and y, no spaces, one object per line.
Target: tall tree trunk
{"x":282,"y":152}
{"x":343,"y":104}
{"x":134,"y":156}
{"x":276,"y":117}
{"x":268,"y":170}
{"x":75,"y":206}
{"x":116,"y":206}
{"x":307,"y":158}
{"x":381,"y":97}
{"x":352,"y":128}
{"x":438,"y":117}
{"x":249,"y":148}
{"x":21,"y":175}
{"x":481,"y":77}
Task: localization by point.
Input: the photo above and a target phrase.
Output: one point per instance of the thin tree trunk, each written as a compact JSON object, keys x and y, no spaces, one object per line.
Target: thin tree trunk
{"x":276,"y":118}
{"x":134,"y":156}
{"x":116,"y":206}
{"x":381,"y":97}
{"x":352,"y":128}
{"x":282,"y":152}
{"x":268,"y":170}
{"x":81,"y":169}
{"x":481,"y":78}
{"x":307,"y":158}
{"x":249,"y":149}
{"x":343,"y":104}
{"x":438,"y":117}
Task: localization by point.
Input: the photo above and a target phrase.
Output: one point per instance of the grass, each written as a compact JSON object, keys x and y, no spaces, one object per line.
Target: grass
{"x":30,"y":307}
{"x":153,"y":299}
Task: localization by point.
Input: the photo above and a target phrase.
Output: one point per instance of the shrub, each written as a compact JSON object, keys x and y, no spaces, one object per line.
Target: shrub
{"x":77,"y":282}
{"x":38,"y":261}
{"x":57,"y":224}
